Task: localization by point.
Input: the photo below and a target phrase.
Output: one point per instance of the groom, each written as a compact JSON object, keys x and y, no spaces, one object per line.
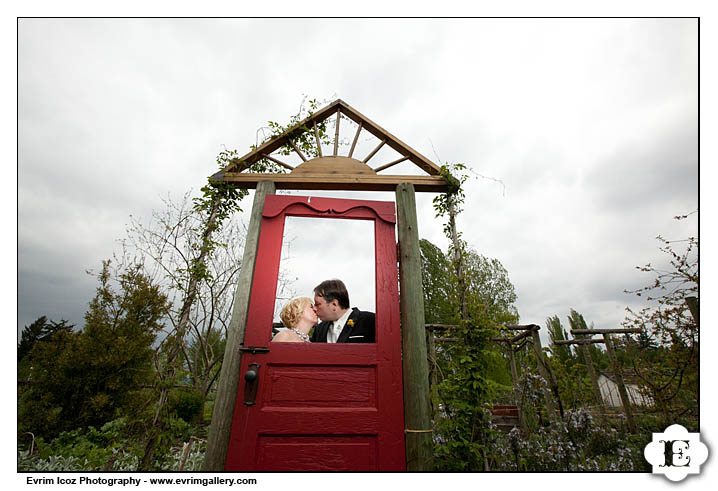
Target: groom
{"x":340,"y":324}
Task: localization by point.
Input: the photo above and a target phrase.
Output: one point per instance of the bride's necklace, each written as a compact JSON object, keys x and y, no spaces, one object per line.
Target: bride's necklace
{"x":299,"y":333}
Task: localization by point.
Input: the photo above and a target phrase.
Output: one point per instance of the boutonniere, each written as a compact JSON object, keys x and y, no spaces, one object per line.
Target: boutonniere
{"x":350,"y":323}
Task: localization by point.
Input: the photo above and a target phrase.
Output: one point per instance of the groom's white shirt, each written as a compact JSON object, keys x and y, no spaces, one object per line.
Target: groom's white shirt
{"x":336,"y":328}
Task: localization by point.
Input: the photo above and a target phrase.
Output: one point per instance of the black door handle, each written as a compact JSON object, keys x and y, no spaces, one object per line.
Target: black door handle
{"x":251,"y":383}
{"x":251,"y":375}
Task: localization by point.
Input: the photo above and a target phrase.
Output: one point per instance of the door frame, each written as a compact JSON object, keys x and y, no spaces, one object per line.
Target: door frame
{"x":386,"y":353}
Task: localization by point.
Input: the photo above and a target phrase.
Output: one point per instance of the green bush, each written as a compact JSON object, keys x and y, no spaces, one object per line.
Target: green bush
{"x":116,"y":446}
{"x":91,"y":448}
{"x":186,"y":404}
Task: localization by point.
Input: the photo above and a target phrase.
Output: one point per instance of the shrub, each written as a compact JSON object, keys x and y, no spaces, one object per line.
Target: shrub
{"x":187,"y":404}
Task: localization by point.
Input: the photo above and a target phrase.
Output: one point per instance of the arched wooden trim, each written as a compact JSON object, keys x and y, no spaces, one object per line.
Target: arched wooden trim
{"x":295,"y":206}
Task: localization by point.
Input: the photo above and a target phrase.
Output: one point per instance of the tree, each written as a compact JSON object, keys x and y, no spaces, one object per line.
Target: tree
{"x":439,"y":289}
{"x":472,"y":369}
{"x":598,"y":356}
{"x":40,"y":330}
{"x":665,"y":359}
{"x":89,"y":377}
{"x":556,"y":332}
{"x":169,"y":248}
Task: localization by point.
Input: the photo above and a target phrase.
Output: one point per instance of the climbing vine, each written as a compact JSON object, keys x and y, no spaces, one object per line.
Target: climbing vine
{"x":463,"y":427}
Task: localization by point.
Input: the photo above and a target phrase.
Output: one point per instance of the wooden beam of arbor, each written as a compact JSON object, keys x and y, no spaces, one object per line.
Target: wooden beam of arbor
{"x":634,"y":330}
{"x":275,"y":143}
{"x":291,"y":142}
{"x":400,"y":147}
{"x":390,"y":164}
{"x":439,"y":327}
{"x":533,"y":327}
{"x":519,"y":337}
{"x":316,"y":137}
{"x":278,"y":162}
{"x":249,"y":180}
{"x":579,"y":341}
{"x":373,"y":152}
{"x":356,"y":138}
{"x":336,"y":132}
{"x":514,"y":339}
{"x":520,"y":346}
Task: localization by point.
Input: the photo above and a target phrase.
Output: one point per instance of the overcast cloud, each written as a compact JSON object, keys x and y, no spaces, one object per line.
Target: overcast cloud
{"x":584,"y":130}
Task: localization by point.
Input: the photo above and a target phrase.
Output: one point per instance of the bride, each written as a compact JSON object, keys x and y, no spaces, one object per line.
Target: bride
{"x":299,"y":316}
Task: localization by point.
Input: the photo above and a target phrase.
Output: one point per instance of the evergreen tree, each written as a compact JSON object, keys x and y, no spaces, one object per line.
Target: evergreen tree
{"x":556,"y":332}
{"x":40,"y":330}
{"x":90,"y":377}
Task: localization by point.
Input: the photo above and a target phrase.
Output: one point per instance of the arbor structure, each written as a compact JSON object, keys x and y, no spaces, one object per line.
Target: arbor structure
{"x":331,"y":171}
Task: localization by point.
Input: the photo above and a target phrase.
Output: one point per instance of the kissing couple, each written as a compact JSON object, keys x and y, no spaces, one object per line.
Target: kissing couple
{"x":339,"y":323}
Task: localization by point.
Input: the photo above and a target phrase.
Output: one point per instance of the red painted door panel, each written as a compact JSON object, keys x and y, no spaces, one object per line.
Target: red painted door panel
{"x":318,"y":406}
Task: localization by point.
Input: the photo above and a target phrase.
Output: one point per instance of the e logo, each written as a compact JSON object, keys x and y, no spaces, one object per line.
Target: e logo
{"x":676,"y":453}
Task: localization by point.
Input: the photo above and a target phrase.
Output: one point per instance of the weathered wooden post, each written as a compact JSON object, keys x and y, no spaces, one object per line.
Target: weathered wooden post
{"x":219,"y":430}
{"x":417,"y":413}
{"x":433,"y":375}
{"x":583,"y":346}
{"x":547,"y":374}
{"x":594,"y":380}
{"x":517,"y":387}
{"x":618,"y":373}
{"x":514,"y":372}
{"x":520,"y":338}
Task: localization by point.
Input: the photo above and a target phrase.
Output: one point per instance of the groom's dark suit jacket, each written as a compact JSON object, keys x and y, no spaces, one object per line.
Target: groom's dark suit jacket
{"x":362,"y":331}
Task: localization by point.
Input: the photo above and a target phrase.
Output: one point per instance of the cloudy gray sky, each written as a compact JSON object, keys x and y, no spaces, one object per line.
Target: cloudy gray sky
{"x":581,"y":135}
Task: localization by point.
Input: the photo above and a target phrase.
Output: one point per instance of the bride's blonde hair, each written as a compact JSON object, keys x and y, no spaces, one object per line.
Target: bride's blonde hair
{"x":293,"y":311}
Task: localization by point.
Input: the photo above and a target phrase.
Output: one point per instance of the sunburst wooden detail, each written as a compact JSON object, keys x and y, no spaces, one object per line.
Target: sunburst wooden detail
{"x":335,"y":172}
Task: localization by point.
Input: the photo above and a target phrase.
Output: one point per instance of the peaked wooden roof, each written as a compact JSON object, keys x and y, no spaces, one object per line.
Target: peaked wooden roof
{"x":334,"y":172}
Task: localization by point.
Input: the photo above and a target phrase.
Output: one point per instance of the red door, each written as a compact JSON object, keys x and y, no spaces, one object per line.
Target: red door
{"x":320,"y":407}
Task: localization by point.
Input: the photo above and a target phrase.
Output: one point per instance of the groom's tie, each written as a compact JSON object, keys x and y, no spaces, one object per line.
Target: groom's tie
{"x":333,"y":333}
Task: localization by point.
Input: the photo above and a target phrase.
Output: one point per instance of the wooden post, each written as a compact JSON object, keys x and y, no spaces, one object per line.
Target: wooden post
{"x":618,"y":373}
{"x":594,"y":380}
{"x":219,"y":430}
{"x":517,"y":387}
{"x":417,"y":411}
{"x":514,"y":372}
{"x":545,"y":372}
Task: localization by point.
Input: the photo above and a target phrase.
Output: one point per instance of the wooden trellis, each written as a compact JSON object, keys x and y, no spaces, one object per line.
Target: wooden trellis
{"x":615,"y":366}
{"x":515,"y":344}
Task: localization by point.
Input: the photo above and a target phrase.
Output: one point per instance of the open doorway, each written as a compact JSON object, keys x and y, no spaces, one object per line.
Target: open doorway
{"x":317,"y":249}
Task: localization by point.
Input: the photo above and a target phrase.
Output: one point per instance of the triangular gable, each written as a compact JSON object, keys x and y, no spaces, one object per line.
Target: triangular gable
{"x":338,"y":172}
